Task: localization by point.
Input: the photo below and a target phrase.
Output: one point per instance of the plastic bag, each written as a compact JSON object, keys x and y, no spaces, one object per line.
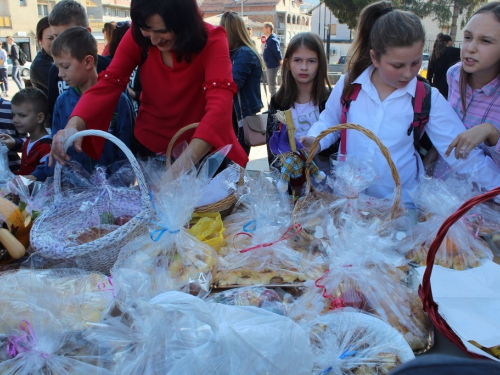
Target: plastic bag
{"x":461,"y":248}
{"x":208,"y":228}
{"x":176,"y":333}
{"x":83,"y":297}
{"x":5,"y":174}
{"x":95,"y":206}
{"x":259,"y":241}
{"x":256,"y":296}
{"x":365,"y":273}
{"x":42,"y":319}
{"x":350,"y":178}
{"x":170,"y":258}
{"x":220,"y":186}
{"x":349,"y":342}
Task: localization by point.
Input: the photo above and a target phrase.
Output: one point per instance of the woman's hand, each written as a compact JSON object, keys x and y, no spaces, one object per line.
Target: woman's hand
{"x":58,"y":153}
{"x":197,"y":149}
{"x":307,"y":143}
{"x":466,"y":141}
{"x":8,"y":141}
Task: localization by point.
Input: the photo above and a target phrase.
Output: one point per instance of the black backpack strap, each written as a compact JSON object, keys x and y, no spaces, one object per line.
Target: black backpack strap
{"x":144,"y":55}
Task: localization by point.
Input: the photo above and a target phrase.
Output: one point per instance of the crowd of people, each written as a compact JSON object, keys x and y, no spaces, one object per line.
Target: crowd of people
{"x":168,"y":68}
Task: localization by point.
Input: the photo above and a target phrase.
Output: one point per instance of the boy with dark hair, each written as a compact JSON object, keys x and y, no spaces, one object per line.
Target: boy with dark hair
{"x":75,"y":54}
{"x":29,"y":111}
{"x":66,"y":14}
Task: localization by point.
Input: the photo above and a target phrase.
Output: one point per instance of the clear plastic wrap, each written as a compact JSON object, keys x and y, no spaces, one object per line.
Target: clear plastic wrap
{"x":257,"y":296}
{"x":259,"y":237}
{"x":170,"y":258}
{"x":73,"y":296}
{"x":42,"y":319}
{"x":93,"y":207}
{"x":354,"y":343}
{"x":462,"y":248}
{"x":366,"y":273}
{"x":176,"y":333}
{"x":350,"y":178}
{"x":5,"y":174}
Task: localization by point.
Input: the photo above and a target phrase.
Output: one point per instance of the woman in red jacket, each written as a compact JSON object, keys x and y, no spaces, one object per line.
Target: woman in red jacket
{"x":186,"y":78}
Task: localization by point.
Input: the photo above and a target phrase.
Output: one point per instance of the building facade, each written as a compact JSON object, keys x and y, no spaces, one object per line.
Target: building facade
{"x":18,"y":18}
{"x":286,"y":16}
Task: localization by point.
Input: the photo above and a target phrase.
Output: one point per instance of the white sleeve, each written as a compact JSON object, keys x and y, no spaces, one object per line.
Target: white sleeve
{"x":444,"y":125}
{"x":329,"y":117}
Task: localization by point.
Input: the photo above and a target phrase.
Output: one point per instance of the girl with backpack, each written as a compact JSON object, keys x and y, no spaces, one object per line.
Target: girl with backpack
{"x":384,"y":61}
{"x":474,"y":84}
{"x":304,"y":88}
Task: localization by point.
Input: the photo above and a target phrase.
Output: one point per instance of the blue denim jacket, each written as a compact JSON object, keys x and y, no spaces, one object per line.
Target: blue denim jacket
{"x":247,"y":72}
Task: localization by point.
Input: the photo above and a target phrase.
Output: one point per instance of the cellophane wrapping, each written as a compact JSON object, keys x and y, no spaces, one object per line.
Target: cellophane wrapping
{"x":349,"y":179}
{"x":43,"y":316}
{"x":5,"y":174}
{"x":353,"y":343}
{"x":368,"y":274}
{"x":169,"y":257}
{"x":259,"y":237}
{"x":461,"y":248}
{"x":257,"y":296}
{"x":89,"y":207}
{"x":177,"y":333}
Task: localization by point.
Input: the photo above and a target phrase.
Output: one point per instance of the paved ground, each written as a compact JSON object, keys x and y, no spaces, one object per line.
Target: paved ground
{"x":13,"y":87}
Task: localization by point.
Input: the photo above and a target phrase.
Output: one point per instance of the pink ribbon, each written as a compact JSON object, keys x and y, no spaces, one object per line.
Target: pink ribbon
{"x":102,"y":287}
{"x":294,"y":229}
{"x":23,"y":343}
{"x":468,"y":224}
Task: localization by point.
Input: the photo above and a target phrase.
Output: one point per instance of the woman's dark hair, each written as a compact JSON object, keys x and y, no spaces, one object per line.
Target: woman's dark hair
{"x":40,"y":27}
{"x":287,"y":93}
{"x":380,"y":28}
{"x":118,"y":33}
{"x":440,"y":46}
{"x":182,"y":17}
{"x":494,"y":8}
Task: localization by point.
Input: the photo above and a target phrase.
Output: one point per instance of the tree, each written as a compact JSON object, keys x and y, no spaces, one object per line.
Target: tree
{"x":347,"y":11}
{"x":446,"y":12}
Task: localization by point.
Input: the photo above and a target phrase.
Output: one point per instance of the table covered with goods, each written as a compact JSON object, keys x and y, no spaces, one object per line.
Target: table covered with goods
{"x":149,"y":268}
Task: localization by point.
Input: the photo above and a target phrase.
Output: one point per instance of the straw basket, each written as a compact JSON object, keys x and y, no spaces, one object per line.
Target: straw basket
{"x":225,"y":205}
{"x":101,"y":254}
{"x":313,"y":195}
{"x":425,"y":291}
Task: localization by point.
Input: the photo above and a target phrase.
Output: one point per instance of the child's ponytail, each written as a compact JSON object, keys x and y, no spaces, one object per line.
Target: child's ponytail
{"x":379,"y":28}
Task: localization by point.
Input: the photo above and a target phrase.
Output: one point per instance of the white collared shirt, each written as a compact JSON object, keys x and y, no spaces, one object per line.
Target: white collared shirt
{"x":390,"y":120}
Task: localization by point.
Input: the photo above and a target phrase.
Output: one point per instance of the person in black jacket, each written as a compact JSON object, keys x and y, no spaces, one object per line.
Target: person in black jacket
{"x":443,"y":57}
{"x":39,"y":70}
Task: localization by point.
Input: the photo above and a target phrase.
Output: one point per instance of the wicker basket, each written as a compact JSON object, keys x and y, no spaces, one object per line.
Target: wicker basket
{"x":313,"y":195}
{"x":425,"y":291}
{"x":225,"y":205}
{"x":101,"y":254}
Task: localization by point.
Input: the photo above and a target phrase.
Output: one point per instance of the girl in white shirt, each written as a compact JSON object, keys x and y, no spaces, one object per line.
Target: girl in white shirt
{"x":385,"y":59}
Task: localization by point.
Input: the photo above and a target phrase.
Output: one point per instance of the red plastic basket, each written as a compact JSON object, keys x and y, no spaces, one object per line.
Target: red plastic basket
{"x":424,"y":290}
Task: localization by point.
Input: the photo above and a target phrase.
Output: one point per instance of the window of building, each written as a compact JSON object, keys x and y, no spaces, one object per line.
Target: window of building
{"x":43,"y":10}
{"x":22,"y":3}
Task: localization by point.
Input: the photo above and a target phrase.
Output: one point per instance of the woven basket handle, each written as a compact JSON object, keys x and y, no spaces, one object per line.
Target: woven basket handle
{"x":424,"y":289}
{"x":146,"y":204}
{"x":176,"y":136}
{"x":383,"y":149}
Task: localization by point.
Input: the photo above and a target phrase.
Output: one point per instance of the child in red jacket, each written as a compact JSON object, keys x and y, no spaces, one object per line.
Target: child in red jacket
{"x":29,"y":110}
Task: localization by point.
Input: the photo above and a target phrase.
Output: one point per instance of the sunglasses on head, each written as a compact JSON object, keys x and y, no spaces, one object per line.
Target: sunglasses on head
{"x":123,"y":24}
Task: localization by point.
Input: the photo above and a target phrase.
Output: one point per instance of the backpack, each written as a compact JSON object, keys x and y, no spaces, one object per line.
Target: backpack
{"x":421,"y":109}
{"x":22,"y":56}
